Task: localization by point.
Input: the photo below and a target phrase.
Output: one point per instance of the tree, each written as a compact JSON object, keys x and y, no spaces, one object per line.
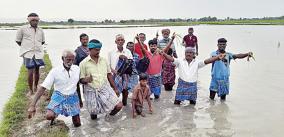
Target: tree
{"x":70,"y":21}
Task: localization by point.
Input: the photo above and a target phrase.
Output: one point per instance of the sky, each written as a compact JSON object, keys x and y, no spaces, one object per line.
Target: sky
{"x":97,"y":10}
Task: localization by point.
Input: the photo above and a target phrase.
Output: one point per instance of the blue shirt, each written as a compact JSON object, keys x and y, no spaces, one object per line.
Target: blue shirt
{"x":221,"y":68}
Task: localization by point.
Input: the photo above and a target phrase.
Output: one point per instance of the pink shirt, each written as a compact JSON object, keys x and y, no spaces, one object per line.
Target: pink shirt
{"x":156,"y":61}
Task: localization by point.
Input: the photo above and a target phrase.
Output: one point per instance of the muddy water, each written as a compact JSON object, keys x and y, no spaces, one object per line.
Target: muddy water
{"x":253,"y":108}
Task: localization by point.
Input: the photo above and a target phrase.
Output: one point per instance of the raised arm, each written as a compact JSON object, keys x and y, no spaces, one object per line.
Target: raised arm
{"x":141,"y":45}
{"x":169,"y":44}
{"x":215,"y":58}
{"x":242,"y":55}
{"x":168,"y":57}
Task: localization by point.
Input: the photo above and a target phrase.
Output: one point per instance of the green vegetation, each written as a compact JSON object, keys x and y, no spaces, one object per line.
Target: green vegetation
{"x":15,"y":110}
{"x":71,"y":23}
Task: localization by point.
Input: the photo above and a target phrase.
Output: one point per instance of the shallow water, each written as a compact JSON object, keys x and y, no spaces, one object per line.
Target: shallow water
{"x":253,"y":108}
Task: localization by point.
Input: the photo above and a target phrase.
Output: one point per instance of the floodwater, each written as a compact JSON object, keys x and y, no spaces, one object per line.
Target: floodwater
{"x":253,"y":108}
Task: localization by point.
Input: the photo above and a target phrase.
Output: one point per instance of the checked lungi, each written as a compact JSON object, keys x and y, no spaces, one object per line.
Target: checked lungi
{"x":100,"y":100}
{"x":221,"y":86}
{"x":186,"y":90}
{"x":67,"y":105}
{"x":155,"y":82}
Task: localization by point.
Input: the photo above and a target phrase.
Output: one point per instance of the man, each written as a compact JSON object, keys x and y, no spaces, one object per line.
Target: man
{"x":81,"y":53}
{"x":137,"y":46}
{"x":64,"y":99}
{"x":190,"y":40}
{"x":188,"y":75}
{"x":116,"y":56}
{"x":162,"y":43}
{"x":220,"y":71}
{"x":96,"y":76}
{"x":156,"y":58}
{"x":133,"y":79}
{"x":30,"y":38}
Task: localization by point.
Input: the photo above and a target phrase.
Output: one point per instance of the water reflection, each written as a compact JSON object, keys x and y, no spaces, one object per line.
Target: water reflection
{"x":219,"y":113}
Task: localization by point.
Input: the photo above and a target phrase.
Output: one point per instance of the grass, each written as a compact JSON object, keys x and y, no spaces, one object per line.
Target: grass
{"x":226,"y":22}
{"x":15,"y":110}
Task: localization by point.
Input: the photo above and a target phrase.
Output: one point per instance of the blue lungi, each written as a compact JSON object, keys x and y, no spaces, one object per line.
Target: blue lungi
{"x":67,"y":105}
{"x":155,"y":82}
{"x":33,"y":63}
{"x":221,"y":86}
{"x":186,"y":90}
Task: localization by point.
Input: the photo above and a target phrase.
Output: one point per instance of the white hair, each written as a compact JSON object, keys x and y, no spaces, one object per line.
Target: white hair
{"x":119,"y":36}
{"x":67,"y":52}
{"x":188,"y":49}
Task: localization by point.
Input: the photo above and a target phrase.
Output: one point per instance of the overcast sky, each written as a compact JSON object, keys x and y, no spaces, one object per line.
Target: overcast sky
{"x":17,"y":10}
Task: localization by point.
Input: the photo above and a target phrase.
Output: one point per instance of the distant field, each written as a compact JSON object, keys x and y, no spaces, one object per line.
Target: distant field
{"x":65,"y":25}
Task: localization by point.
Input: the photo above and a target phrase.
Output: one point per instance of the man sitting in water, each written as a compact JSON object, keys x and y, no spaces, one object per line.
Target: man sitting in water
{"x":64,"y":99}
{"x":141,"y":92}
{"x":220,"y":71}
{"x":188,"y":74}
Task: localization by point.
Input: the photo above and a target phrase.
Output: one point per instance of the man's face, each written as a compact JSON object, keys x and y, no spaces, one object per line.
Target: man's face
{"x":84,"y":40}
{"x":95,"y":52}
{"x":119,"y":41}
{"x":189,"y":55}
{"x":153,"y":47}
{"x":222,"y":46}
{"x":190,"y":31}
{"x":68,"y":60}
{"x":142,"y":38}
{"x":34,"y":22}
{"x":143,"y":83}
{"x":130,"y":47}
{"x":166,"y":34}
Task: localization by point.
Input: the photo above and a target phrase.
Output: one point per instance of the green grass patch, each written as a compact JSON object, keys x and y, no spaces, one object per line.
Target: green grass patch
{"x":15,"y":110}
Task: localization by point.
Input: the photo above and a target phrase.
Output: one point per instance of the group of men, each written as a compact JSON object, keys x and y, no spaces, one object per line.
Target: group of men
{"x":133,"y":69}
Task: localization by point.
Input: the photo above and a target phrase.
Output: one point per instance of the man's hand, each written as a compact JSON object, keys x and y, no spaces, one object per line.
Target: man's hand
{"x":137,"y":38}
{"x":174,"y":36}
{"x":250,"y":55}
{"x":122,"y":57}
{"x":31,"y":111}
{"x":81,"y":104}
{"x":88,"y":79}
{"x":221,"y":56}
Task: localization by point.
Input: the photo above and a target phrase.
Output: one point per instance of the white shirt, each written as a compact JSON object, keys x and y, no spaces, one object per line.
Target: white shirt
{"x":64,"y":82}
{"x":114,"y":56}
{"x":188,"y":72}
{"x":31,"y":41}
